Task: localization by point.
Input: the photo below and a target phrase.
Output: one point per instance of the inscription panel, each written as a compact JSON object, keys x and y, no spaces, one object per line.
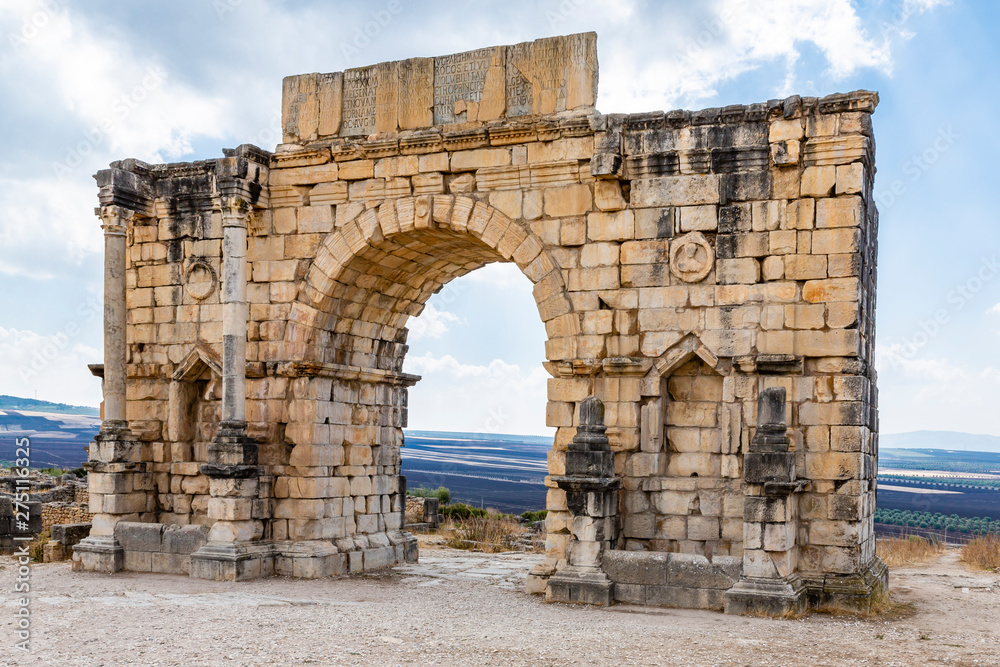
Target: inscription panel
{"x":459,"y":78}
{"x":518,"y":80}
{"x":541,"y":77}
{"x":358,"y":114}
{"x":416,"y":93}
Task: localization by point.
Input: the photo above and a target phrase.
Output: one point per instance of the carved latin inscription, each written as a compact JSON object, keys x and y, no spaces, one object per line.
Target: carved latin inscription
{"x":545,"y":76}
{"x":458,"y":81}
{"x":358,"y":116}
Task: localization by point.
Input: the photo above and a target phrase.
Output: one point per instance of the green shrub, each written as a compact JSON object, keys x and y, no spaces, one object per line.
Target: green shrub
{"x":532,"y":517}
{"x":442,"y":493}
{"x":461,"y":511}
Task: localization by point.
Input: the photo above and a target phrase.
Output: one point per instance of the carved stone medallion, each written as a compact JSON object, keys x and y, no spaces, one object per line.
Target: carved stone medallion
{"x":200,"y":280}
{"x":691,"y":257}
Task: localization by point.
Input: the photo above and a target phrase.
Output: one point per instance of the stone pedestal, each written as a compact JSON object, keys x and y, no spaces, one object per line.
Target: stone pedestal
{"x":592,"y":497}
{"x":233,"y":551}
{"x":769,"y":584}
{"x":232,"y":453}
{"x":233,"y":561}
{"x":766,"y":597}
{"x":98,"y":553}
{"x":850,"y":591}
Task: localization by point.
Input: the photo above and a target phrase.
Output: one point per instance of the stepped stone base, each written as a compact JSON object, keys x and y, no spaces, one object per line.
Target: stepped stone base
{"x":766,"y":597}
{"x":850,"y":591}
{"x":151,"y":547}
{"x":581,"y":586}
{"x":98,"y":554}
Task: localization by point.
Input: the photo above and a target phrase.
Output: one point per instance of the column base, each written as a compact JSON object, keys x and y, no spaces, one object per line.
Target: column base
{"x":233,"y":561}
{"x":100,"y":553}
{"x":855,"y":591}
{"x":580,"y":585}
{"x":309,"y":560}
{"x":232,"y":447}
{"x":766,"y":597}
{"x":113,"y":444}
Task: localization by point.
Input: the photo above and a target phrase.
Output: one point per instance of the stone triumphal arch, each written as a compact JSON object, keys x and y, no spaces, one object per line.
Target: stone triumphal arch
{"x":706,"y":280}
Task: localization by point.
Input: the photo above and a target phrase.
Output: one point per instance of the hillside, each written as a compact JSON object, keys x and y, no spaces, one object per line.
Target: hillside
{"x":504,"y":472}
{"x":35,"y":405}
{"x":56,"y":439}
{"x":950,"y":440}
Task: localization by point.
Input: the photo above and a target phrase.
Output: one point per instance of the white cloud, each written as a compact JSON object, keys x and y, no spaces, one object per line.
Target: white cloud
{"x":494,"y":398}
{"x":994,"y":309}
{"x":55,"y":366}
{"x":126,"y":102}
{"x":934,"y":393}
{"x":46,"y":228}
{"x":432,"y":323}
{"x":737,"y":37}
{"x":106,"y":101}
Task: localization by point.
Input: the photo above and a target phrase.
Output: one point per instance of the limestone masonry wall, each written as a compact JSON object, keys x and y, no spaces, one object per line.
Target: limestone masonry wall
{"x":684,"y":263}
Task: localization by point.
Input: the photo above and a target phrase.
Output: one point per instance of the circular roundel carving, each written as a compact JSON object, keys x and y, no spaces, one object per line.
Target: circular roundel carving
{"x":691,"y":257}
{"x":200,"y":280}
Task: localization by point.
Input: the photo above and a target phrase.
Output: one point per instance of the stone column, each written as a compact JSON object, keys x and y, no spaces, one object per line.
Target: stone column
{"x":115,"y":220}
{"x":592,"y":497}
{"x":231,"y":446}
{"x":112,"y":458}
{"x":769,"y":583}
{"x":232,"y":467}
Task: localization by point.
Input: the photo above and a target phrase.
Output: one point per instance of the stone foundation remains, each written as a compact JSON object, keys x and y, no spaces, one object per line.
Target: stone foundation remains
{"x":706,"y":280}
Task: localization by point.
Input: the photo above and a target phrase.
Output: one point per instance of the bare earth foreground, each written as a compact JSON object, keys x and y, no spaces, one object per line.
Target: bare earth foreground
{"x":459,"y":608}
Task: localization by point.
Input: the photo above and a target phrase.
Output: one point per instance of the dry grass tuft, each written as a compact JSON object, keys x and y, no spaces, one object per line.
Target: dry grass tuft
{"x":880,"y":607}
{"x":983,"y":553}
{"x":493,"y":533}
{"x":907,"y":550}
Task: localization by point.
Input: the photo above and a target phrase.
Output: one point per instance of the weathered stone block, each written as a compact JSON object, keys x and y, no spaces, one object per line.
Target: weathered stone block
{"x":675,"y":191}
{"x":694,"y":571}
{"x":636,"y":567}
{"x":183,"y":539}
{"x":135,"y":536}
{"x":819,"y":181}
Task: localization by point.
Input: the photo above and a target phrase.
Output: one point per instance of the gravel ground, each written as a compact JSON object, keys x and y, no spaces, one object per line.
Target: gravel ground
{"x":457,"y":608}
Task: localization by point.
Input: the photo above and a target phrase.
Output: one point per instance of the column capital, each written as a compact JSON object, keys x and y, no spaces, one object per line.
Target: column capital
{"x":114,"y":219}
{"x":235,"y":212}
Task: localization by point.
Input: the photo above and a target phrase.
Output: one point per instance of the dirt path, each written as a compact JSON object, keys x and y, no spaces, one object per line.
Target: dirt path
{"x":457,"y":608}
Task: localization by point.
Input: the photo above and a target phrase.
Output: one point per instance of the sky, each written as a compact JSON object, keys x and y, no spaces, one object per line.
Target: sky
{"x":83,"y":84}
